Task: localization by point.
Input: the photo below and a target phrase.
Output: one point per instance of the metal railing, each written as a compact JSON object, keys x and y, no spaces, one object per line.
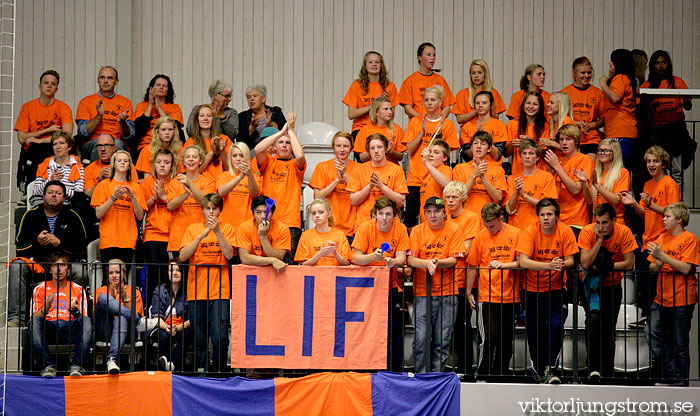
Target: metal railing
{"x":509,"y":339}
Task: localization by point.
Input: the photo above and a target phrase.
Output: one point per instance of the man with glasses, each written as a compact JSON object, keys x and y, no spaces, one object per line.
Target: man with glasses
{"x":226,"y":118}
{"x":104,"y":112}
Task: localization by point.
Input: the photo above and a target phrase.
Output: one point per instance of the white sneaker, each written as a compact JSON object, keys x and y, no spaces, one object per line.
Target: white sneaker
{"x":146,"y":324}
{"x":112,"y":367}
{"x":165,"y":365}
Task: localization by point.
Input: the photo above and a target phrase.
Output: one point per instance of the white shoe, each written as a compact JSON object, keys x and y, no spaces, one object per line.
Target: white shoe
{"x":146,"y":324}
{"x":112,"y":367}
{"x":165,"y":365}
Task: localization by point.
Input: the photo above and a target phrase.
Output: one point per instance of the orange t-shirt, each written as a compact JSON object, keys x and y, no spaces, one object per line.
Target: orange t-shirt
{"x":92,"y":172}
{"x":574,"y":209}
{"x":189,"y":211}
{"x":282,"y":180}
{"x":587,"y":105}
{"x":395,"y":138}
{"x":61,"y":301}
{"x":343,"y":211}
{"x":118,"y":227}
{"x":676,"y":289}
{"x":212,"y":170}
{"x":87,"y":110}
{"x":369,"y":238}
{"x":138,"y":307}
{"x":356,"y":98}
{"x":621,"y":184}
{"x":663,"y":193}
{"x":247,"y":237}
{"x":620,"y":120}
{"x":426,"y":244}
{"x":390,"y":174}
{"x":470,"y":224}
{"x":311,"y":242}
{"x":517,"y":99}
{"x":495,"y":127}
{"x":620,"y":243}
{"x":414,"y":86}
{"x":496,"y":285}
{"x":540,"y":185}
{"x":237,"y":201}
{"x":34,"y":117}
{"x":463,"y":106}
{"x":173,"y":110}
{"x":208,"y":283}
{"x":143,"y":163}
{"x":664,"y":109}
{"x":478,"y":196}
{"x":553,"y":128}
{"x":158,"y":218}
{"x":512,"y":132}
{"x":416,"y":170}
{"x":543,"y":248}
{"x":428,"y":187}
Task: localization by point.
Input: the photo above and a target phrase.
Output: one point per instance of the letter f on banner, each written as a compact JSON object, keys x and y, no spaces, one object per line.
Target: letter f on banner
{"x":341,"y":315}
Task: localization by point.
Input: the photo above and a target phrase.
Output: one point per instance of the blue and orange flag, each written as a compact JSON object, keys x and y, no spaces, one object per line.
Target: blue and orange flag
{"x":157,"y":393}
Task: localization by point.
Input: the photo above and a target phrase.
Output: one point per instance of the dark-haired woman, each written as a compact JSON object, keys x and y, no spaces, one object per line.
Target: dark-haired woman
{"x":411,"y":92}
{"x":157,"y":102}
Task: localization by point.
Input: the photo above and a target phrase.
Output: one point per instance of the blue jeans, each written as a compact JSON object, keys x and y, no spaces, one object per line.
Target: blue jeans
{"x":46,"y":332}
{"x":544,"y":319}
{"x":211,"y":321}
{"x":443,"y":314}
{"x":668,"y":333}
{"x":112,"y":320}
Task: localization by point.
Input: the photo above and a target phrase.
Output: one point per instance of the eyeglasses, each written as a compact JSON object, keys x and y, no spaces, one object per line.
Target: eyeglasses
{"x":226,"y":96}
{"x":604,"y":151}
{"x":104,"y":145}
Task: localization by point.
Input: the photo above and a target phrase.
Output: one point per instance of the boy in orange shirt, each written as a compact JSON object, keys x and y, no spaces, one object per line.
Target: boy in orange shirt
{"x":66,"y":318}
{"x":435,"y":247}
{"x":494,"y":248}
{"x":283,"y":174}
{"x":546,"y":249}
{"x":606,"y":246}
{"x":263,"y":241}
{"x":675,"y":254}
{"x":208,"y":287}
{"x":434,"y":158}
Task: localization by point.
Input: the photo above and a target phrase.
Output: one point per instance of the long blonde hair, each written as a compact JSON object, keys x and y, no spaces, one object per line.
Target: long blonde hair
{"x":243,"y":148}
{"x":327,"y":205}
{"x":114,"y":158}
{"x":487,"y":79}
{"x":564,"y":104}
{"x":157,"y":143}
{"x":374,"y":107}
{"x":615,"y":168}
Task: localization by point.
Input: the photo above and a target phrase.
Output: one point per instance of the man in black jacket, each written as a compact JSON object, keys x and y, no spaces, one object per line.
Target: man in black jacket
{"x":43,"y":230}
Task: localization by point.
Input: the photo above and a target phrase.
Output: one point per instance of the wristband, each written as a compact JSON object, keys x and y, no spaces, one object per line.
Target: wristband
{"x":113,"y":198}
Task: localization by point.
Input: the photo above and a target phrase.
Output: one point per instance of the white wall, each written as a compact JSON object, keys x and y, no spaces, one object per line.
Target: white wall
{"x":308,"y":51}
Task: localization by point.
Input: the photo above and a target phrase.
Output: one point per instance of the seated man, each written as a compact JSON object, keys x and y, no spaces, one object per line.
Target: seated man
{"x":675,"y":255}
{"x":546,"y":249}
{"x":261,"y":241}
{"x":494,"y":248}
{"x":605,"y":246}
{"x":44,"y":230}
{"x":59,"y":312}
{"x":113,"y":308}
{"x":435,"y":244}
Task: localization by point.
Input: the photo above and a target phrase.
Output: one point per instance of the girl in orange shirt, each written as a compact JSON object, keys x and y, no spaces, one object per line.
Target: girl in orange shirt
{"x":619,"y":87}
{"x":609,"y":178}
{"x":381,"y":117}
{"x":411,"y":90}
{"x":157,"y":102}
{"x":373,"y":82}
{"x":484,"y":102}
{"x":157,"y":228}
{"x":479,"y":80}
{"x":323,"y":245}
{"x":559,"y":113}
{"x":530,"y":124}
{"x":532,"y":80}
{"x":206,"y":136}
{"x":118,"y":204}
{"x":587,"y":105}
{"x":238,"y":186}
{"x":166,"y":135}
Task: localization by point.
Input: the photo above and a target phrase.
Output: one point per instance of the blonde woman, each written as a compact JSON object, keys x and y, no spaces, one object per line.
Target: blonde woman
{"x":238,"y":185}
{"x":381,"y":117}
{"x":610,"y":177}
{"x":479,"y":80}
{"x":559,"y":113}
{"x":166,"y":135}
{"x":323,"y":245}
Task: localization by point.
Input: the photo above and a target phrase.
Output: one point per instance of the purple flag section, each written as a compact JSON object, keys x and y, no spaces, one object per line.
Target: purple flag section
{"x":231,"y":396}
{"x":424,"y":394}
{"x":25,"y":395}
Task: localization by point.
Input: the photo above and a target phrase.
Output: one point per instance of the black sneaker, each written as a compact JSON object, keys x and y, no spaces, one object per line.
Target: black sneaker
{"x":549,"y":378}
